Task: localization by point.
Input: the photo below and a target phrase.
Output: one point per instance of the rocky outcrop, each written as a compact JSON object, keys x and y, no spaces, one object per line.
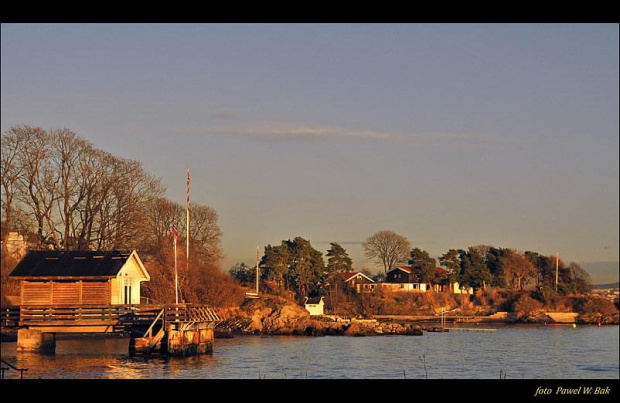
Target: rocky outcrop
{"x":595,"y":318}
{"x":275,"y":315}
{"x":278,"y":316}
{"x":375,"y":328}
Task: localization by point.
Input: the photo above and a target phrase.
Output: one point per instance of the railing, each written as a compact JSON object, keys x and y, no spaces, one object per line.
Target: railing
{"x":113,"y":315}
{"x":10,"y":316}
{"x":9,"y":367}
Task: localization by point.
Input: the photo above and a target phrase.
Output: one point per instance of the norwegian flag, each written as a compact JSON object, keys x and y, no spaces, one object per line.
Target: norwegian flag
{"x":188,"y":187}
{"x":174,"y":231}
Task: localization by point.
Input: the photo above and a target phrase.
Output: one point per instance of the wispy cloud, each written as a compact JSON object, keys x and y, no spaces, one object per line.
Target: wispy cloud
{"x":290,"y":132}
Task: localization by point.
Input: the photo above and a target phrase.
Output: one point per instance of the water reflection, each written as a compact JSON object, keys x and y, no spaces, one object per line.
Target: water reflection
{"x":527,"y":352}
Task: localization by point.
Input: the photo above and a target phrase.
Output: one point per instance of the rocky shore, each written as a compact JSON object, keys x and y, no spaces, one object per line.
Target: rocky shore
{"x":277,"y":316}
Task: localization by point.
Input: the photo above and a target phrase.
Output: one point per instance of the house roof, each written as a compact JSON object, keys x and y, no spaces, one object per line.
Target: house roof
{"x":441,"y":270}
{"x":407,"y":269}
{"x":46,"y":264}
{"x":315,"y":300}
{"x":352,"y":274}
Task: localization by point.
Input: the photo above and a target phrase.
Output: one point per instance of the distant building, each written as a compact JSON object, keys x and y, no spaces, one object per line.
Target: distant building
{"x":359,"y":281}
{"x":314,"y":305}
{"x":80,"y":278}
{"x":405,"y":278}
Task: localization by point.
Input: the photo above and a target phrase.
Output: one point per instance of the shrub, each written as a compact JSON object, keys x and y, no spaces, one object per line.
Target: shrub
{"x":526,"y":305}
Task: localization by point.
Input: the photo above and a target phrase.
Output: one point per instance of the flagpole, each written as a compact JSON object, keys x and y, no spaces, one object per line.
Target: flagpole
{"x":187,"y":225}
{"x":176,"y":279}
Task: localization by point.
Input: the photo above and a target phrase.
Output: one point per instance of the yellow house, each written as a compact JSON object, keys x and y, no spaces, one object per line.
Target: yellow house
{"x":80,"y":277}
{"x":314,"y":305}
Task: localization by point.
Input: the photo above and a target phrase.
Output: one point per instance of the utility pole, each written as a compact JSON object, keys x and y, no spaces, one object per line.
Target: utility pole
{"x":257,"y":270}
{"x":557,"y":261}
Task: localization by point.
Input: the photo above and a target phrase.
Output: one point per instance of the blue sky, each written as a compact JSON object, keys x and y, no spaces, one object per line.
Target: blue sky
{"x":452,"y":135}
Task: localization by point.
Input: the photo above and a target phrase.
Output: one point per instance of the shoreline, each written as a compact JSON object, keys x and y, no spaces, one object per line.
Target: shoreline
{"x":10,"y":335}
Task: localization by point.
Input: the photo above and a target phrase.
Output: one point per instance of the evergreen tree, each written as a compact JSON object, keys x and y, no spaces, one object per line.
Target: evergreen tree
{"x":275,"y":264}
{"x":495,"y":265}
{"x":423,"y":264}
{"x":245,"y":275}
{"x":338,"y":261}
{"x":451,"y":261}
{"x":474,"y":272}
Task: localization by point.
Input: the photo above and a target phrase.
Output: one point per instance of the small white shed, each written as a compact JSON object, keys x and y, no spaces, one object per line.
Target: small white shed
{"x":314,"y":305}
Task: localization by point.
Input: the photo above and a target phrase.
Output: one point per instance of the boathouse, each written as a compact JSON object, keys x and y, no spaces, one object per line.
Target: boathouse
{"x":80,"y":278}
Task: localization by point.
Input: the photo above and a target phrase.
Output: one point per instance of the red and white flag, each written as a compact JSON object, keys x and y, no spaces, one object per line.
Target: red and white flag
{"x":188,"y":187}
{"x":174,"y":231}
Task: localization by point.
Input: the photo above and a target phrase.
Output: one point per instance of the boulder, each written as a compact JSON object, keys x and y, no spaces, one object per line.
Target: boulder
{"x":275,"y":315}
{"x":359,"y":330}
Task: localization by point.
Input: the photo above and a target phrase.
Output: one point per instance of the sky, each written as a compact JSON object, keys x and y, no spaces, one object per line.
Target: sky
{"x":451,"y":135}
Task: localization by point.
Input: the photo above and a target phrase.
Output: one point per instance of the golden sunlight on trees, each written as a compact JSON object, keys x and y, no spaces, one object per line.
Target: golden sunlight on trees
{"x":60,"y":192}
{"x":519,"y":271}
{"x":78,"y":197}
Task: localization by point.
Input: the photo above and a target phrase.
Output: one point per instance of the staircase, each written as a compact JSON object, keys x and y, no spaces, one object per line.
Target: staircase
{"x":152,"y":339}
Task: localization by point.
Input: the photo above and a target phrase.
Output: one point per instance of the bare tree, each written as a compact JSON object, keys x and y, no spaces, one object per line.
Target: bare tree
{"x":386,"y":247}
{"x":66,"y":150}
{"x":10,"y":173}
{"x":518,"y":269}
{"x":36,"y":181}
{"x":123,"y":218}
{"x":205,"y":234}
{"x":161,"y":215}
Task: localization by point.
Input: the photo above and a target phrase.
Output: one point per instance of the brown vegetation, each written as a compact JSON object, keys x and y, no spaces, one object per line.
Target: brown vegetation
{"x":62,"y":193}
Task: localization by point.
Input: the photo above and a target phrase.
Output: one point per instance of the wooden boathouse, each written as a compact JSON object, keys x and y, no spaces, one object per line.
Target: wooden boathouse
{"x":80,"y":278}
{"x":99,"y":292}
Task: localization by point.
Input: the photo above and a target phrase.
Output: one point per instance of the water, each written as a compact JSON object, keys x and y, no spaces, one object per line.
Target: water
{"x":517,"y":351}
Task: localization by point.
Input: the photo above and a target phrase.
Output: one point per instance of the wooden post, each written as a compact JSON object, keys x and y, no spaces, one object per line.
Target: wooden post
{"x":36,"y":341}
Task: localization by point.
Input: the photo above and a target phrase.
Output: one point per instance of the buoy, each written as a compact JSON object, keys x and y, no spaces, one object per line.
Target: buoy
{"x":600,"y":324}
{"x":574,"y":325}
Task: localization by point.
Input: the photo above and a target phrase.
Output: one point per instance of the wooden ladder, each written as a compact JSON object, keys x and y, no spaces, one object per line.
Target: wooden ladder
{"x":153,"y":340}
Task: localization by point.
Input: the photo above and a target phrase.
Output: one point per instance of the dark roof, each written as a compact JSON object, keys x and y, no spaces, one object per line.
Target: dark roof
{"x":407,"y":269}
{"x":315,"y":300}
{"x":42,"y":264}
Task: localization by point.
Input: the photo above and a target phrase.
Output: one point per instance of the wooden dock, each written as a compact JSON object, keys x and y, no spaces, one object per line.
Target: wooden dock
{"x":183,"y":329}
{"x":472,"y":329}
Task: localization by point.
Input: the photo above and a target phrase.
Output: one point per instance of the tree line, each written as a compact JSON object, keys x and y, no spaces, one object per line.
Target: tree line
{"x":296,"y":266}
{"x":63,"y":193}
{"x":479,"y":266}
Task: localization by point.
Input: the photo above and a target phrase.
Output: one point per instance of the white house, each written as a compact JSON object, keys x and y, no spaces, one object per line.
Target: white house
{"x":314,"y":305}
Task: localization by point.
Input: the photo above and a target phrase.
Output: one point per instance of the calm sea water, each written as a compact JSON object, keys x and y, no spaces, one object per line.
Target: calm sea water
{"x":518,"y":352}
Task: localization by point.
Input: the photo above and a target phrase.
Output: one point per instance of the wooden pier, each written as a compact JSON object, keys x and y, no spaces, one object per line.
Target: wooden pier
{"x":179,"y":330}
